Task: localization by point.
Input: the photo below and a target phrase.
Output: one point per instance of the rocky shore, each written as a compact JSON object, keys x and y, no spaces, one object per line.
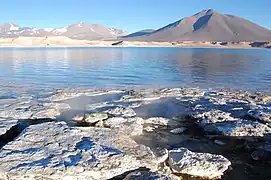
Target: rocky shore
{"x":179,"y":133}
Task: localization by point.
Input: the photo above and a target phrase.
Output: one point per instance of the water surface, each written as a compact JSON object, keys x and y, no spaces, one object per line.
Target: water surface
{"x":248,"y":69}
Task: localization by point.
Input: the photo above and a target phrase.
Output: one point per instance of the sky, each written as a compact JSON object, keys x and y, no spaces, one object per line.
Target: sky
{"x":130,"y":15}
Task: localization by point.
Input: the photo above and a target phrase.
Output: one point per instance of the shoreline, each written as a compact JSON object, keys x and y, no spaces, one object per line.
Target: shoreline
{"x":94,"y":46}
{"x":65,"y":42}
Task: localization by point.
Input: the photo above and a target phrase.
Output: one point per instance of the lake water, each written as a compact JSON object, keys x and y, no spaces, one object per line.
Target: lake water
{"x":248,"y":69}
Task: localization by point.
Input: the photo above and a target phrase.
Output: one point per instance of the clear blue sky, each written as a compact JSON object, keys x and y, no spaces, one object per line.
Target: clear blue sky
{"x":131,"y":15}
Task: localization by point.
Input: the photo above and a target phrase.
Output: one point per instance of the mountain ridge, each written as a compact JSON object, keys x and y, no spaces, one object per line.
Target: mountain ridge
{"x":80,"y":30}
{"x":209,"y":25}
{"x":206,"y":25}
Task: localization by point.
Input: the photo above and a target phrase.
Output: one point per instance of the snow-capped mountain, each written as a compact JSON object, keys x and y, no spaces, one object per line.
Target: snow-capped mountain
{"x":8,"y":27}
{"x":81,"y":30}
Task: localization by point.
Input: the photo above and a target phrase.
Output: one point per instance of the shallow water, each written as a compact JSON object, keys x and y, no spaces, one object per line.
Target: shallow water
{"x":248,"y":69}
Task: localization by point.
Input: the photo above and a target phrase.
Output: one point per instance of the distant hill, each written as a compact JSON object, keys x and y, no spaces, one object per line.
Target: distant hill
{"x":209,"y":25}
{"x":139,"y":33}
{"x":81,"y":30}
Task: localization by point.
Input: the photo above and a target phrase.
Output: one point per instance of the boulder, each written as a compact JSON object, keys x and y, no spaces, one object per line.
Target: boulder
{"x":64,"y":153}
{"x":203,"y":165}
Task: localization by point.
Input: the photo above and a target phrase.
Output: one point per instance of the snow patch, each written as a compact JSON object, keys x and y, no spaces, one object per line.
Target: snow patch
{"x":60,"y":30}
{"x":48,"y":29}
{"x":13,"y":28}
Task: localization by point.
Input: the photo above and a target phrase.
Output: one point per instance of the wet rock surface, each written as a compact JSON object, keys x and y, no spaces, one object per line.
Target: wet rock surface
{"x":198,"y":164}
{"x":173,"y":133}
{"x":62,"y":153}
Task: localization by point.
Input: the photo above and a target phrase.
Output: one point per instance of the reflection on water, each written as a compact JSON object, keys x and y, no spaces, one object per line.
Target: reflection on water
{"x":143,"y":67}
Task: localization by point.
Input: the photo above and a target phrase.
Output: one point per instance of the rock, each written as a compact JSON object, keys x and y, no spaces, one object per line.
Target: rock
{"x":257,"y":155}
{"x":243,"y":129}
{"x":118,"y":121}
{"x":6,"y":125}
{"x":262,"y":152}
{"x":48,"y":113}
{"x":34,"y":110}
{"x":162,"y":122}
{"x":78,"y":118}
{"x":15,"y":114}
{"x":3,"y":174}
{"x":90,"y":118}
{"x":64,"y":153}
{"x":214,"y":116}
{"x":100,"y":124}
{"x":178,"y":130}
{"x":260,"y":115}
{"x":122,"y":111}
{"x":267,"y":99}
{"x":123,"y":138}
{"x":114,"y":122}
{"x":203,"y":165}
{"x":161,"y":154}
{"x":210,"y":93}
{"x":149,"y":128}
{"x":218,"y":142}
{"x":95,"y":117}
{"x":146,"y":175}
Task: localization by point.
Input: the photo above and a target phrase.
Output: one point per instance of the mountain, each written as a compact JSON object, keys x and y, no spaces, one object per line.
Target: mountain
{"x":81,"y":30}
{"x":88,"y":31}
{"x":209,"y":25}
{"x":8,"y":27}
{"x":139,"y":33}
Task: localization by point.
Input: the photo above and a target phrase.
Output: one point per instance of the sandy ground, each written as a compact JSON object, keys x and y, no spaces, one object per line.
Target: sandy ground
{"x":60,"y":41}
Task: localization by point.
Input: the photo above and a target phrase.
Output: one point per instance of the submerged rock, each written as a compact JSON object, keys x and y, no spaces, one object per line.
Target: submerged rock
{"x":178,"y":130}
{"x":260,"y":115}
{"x":90,"y":118}
{"x":218,"y":142}
{"x":122,"y":111}
{"x":95,"y":117}
{"x":63,"y":153}
{"x":161,"y":154}
{"x":78,"y":118}
{"x":203,"y":165}
{"x":147,"y":175}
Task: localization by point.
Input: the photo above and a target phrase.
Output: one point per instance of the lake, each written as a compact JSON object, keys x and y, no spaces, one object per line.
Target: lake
{"x":248,"y":69}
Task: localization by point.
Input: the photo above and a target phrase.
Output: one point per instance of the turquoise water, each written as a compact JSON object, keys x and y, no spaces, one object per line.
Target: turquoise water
{"x":248,"y":69}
